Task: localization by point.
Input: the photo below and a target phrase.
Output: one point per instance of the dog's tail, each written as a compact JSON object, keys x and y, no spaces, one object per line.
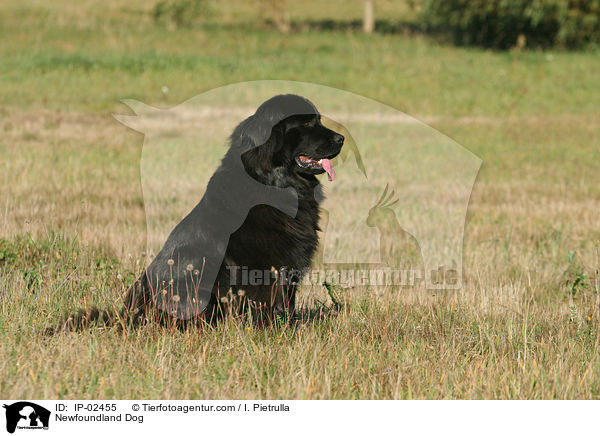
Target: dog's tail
{"x":84,"y":318}
{"x":130,"y":315}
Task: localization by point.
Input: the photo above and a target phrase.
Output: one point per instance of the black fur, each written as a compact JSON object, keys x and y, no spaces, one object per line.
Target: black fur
{"x":263,"y":237}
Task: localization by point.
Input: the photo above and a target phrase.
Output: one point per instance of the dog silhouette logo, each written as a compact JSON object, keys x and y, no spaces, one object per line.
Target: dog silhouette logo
{"x":26,"y":415}
{"x":433,"y":177}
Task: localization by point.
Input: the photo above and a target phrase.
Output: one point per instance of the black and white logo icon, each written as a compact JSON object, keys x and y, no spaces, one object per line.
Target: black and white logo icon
{"x":26,"y":415}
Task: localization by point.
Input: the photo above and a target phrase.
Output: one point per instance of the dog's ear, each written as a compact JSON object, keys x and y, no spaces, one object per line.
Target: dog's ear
{"x":265,"y":155}
{"x":252,"y":132}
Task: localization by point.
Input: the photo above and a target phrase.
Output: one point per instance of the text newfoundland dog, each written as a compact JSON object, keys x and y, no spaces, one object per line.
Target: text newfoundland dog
{"x":253,"y":233}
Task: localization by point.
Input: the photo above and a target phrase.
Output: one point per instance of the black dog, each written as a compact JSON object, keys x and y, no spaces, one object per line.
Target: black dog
{"x":255,"y":230}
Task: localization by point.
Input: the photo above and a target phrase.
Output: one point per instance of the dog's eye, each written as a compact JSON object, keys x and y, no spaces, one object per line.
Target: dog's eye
{"x":307,"y":123}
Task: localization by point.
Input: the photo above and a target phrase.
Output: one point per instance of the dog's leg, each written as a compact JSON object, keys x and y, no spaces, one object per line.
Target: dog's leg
{"x":135,"y":303}
{"x":285,"y":303}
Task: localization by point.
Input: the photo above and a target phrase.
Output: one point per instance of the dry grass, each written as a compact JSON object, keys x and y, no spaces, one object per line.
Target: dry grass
{"x":72,"y":225}
{"x":518,"y":329}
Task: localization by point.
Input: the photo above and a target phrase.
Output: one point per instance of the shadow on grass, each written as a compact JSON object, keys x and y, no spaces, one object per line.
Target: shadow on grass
{"x":106,"y":319}
{"x":400,"y":27}
{"x":381,"y":26}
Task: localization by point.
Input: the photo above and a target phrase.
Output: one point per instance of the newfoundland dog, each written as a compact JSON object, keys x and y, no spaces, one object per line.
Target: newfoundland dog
{"x":254,"y":232}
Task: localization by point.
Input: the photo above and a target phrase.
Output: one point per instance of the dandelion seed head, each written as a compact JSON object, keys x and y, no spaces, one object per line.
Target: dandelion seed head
{"x":170,"y":262}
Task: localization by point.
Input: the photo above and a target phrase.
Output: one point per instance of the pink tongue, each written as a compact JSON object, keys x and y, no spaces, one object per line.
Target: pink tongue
{"x":327,"y":166}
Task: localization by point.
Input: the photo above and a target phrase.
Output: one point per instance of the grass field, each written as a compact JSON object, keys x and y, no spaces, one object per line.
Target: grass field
{"x":526,"y":324}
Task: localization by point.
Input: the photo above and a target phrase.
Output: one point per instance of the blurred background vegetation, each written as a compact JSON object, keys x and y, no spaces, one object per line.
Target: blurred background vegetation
{"x":515,"y":23}
{"x":514,"y":82}
{"x":88,"y":55}
{"x":495,"y":23}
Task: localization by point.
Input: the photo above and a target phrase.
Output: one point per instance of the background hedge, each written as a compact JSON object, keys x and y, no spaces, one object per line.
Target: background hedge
{"x":508,"y":23}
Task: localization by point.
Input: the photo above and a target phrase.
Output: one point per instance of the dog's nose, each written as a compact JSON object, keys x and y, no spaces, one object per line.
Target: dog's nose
{"x":338,"y":139}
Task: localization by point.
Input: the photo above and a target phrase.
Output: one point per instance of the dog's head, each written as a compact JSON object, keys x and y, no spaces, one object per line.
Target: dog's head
{"x":286,"y":136}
